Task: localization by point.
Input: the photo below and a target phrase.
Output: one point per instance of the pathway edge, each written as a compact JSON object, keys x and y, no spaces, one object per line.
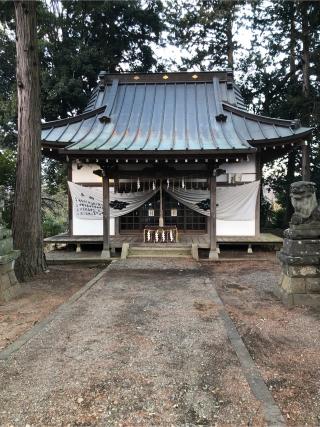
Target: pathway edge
{"x":259,"y":389}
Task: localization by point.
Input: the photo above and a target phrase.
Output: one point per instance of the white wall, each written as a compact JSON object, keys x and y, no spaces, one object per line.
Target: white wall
{"x":247,"y":169}
{"x":85,"y":174}
{"x":236,"y":228}
{"x":90,"y":227}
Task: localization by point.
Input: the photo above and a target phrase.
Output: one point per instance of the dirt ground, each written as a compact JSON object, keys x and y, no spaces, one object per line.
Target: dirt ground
{"x":40,"y":297}
{"x":144,"y":346}
{"x":285,"y":343}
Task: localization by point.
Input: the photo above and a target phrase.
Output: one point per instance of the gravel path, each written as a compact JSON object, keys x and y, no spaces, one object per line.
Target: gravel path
{"x":144,"y":346}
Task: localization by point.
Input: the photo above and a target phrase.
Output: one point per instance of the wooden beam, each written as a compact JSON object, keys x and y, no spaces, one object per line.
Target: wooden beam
{"x":106,"y":217}
{"x":305,"y":166}
{"x":157,"y":173}
{"x":213,"y":254}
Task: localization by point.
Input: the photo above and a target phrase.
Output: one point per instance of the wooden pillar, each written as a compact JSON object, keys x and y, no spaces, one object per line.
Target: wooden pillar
{"x":161,"y":222}
{"x":70,"y":206}
{"x":117,"y":219}
{"x":106,"y":216}
{"x":258,"y":202}
{"x":305,"y":165}
{"x":213,"y":254}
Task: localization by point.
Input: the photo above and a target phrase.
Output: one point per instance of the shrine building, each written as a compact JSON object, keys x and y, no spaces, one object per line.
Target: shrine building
{"x":168,"y":159}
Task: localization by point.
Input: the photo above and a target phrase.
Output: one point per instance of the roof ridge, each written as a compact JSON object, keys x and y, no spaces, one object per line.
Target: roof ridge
{"x":245,"y":113}
{"x":73,"y":119}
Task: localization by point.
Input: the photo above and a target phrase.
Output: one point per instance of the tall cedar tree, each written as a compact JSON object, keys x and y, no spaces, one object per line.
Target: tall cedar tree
{"x":205,"y":29}
{"x":93,"y":36}
{"x":27,"y":228}
{"x":281,"y":62}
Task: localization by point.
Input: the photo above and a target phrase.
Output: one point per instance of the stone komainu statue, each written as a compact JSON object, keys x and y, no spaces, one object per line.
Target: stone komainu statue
{"x":304,"y":202}
{"x":299,"y":283}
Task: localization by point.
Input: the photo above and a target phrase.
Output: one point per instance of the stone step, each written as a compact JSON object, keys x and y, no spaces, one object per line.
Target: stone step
{"x":163,"y":252}
{"x":159,"y":256}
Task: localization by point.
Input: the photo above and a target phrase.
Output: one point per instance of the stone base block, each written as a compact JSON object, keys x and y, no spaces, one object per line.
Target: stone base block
{"x":195,"y":251}
{"x":301,"y":270}
{"x":9,"y":285}
{"x":213,"y":255}
{"x":105,"y":254}
{"x":300,"y":252}
{"x":301,"y":290}
{"x":292,"y":300}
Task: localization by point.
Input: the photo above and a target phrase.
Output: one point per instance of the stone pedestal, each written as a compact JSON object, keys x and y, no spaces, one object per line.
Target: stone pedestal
{"x":9,"y":285}
{"x":299,"y":283}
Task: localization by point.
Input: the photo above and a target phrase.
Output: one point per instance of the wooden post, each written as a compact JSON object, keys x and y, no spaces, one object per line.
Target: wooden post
{"x":70,"y":205}
{"x":106,"y":216}
{"x":161,"y":222}
{"x":305,"y":166}
{"x":213,"y":254}
{"x":117,"y":219}
{"x":258,"y":202}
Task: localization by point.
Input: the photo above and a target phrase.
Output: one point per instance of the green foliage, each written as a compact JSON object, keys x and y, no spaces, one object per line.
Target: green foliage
{"x":54,"y":213}
{"x":283,"y":57}
{"x":83,"y":37}
{"x":7,"y":169}
{"x":51,"y":225}
{"x":7,"y":90}
{"x":54,"y":176}
{"x":77,"y":39}
{"x":7,"y":180}
{"x":205,"y":30}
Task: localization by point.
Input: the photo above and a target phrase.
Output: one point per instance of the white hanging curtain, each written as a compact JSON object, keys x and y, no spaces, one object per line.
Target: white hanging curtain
{"x":233,"y":203}
{"x":88,"y":201}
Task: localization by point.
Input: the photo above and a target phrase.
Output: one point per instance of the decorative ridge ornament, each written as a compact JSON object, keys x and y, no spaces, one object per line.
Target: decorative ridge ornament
{"x":221,"y":118}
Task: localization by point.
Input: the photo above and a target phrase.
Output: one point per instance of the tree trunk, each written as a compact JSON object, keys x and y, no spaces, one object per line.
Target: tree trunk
{"x":305,"y":37}
{"x":289,"y":180}
{"x":293,"y":43}
{"x":27,"y":227}
{"x":292,"y":154}
{"x":230,"y":45}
